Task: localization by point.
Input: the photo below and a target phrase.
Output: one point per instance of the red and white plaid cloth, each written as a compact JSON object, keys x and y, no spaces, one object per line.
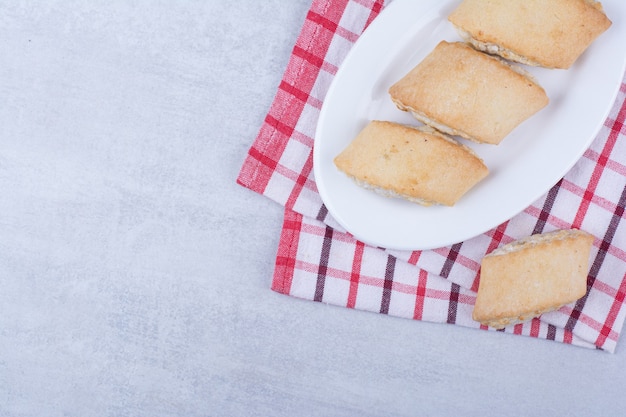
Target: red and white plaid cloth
{"x":319,"y":261}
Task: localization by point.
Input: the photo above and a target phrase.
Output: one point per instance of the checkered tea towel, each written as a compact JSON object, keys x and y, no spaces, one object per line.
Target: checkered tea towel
{"x":319,"y":261}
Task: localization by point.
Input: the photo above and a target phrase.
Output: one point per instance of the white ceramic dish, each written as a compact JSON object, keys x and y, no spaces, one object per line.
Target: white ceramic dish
{"x":524,"y":166}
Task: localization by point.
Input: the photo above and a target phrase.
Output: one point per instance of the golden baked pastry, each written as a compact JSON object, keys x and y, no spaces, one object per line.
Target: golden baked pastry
{"x":420,"y":165}
{"x":464,"y":92}
{"x":532,"y":276}
{"x":547,"y":33}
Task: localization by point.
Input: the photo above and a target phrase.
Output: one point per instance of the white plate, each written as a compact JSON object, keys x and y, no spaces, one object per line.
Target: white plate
{"x":523,"y":167}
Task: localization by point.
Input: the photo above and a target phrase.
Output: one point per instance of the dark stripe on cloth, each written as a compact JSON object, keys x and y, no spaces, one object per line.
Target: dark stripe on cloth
{"x":455,"y":290}
{"x":551,"y":332}
{"x":451,"y":258}
{"x":388,"y":285}
{"x":597,"y":262}
{"x":323,"y":268}
{"x":547,"y":208}
{"x":321,"y":215}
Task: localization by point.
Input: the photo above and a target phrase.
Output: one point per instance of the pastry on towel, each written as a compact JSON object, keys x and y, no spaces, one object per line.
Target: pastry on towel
{"x":532,"y":276}
{"x":547,"y":33}
{"x":464,"y":92}
{"x":420,"y":165}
